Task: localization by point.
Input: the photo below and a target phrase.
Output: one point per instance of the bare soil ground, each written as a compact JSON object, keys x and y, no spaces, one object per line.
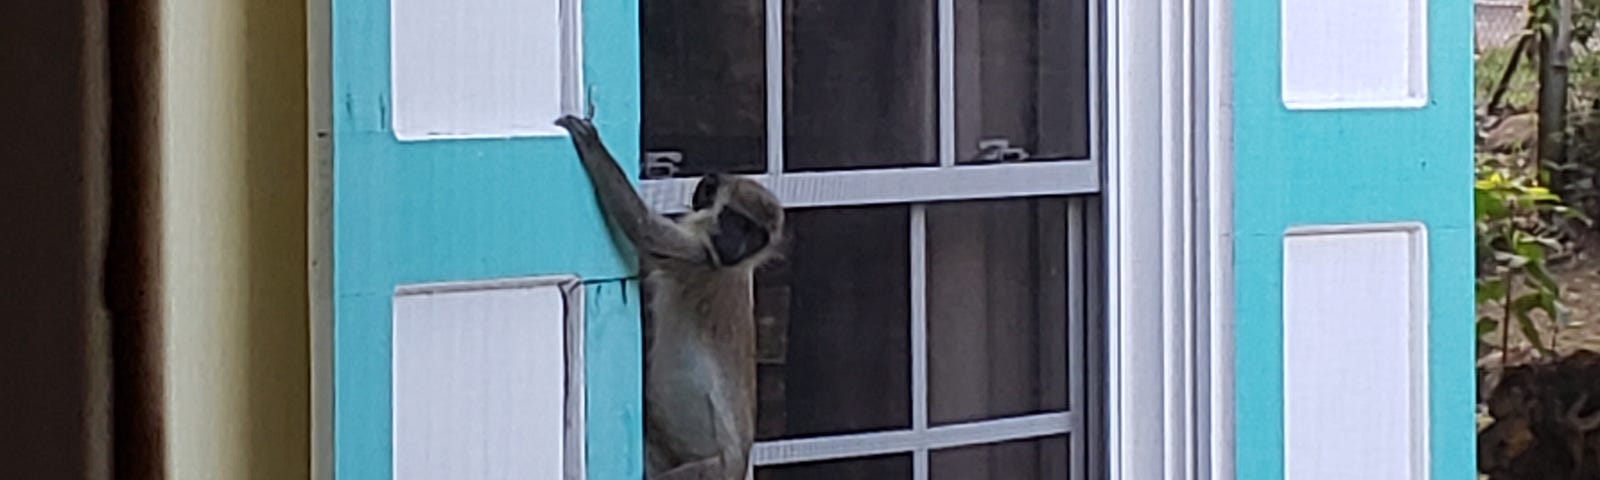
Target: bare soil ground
{"x":1545,"y":423}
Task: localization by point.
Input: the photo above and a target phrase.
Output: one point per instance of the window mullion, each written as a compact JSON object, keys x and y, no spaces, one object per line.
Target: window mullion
{"x":1077,"y":360}
{"x":919,"y":335}
{"x":774,"y":59}
{"x":947,"y":83}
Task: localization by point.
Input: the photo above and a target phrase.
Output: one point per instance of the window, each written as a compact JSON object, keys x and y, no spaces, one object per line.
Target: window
{"x":939,"y":160}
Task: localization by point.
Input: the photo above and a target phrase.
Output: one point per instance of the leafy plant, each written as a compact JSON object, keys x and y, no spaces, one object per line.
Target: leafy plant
{"x":1516,"y":232}
{"x":1523,"y":89}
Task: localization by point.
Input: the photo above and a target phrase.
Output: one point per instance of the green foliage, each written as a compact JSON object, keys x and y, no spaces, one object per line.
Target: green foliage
{"x":1491,"y":65}
{"x":1517,"y":229}
{"x":1520,"y":94}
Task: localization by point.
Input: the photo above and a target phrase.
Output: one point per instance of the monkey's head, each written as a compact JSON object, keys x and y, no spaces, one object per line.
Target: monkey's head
{"x":742,"y":220}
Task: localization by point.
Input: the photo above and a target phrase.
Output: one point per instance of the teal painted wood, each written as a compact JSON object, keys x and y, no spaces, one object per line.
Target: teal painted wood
{"x":475,"y":209}
{"x":1352,"y":166}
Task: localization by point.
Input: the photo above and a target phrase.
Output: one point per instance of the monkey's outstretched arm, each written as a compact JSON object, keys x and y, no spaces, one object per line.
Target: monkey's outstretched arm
{"x":651,"y":234}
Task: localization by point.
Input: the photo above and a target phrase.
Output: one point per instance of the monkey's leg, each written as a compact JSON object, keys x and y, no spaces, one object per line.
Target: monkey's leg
{"x":709,"y":468}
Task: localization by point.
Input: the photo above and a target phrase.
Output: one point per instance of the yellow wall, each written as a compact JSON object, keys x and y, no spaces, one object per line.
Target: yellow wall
{"x":233,"y":183}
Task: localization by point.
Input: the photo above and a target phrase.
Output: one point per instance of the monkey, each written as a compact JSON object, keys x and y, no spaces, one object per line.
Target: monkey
{"x":700,"y":358}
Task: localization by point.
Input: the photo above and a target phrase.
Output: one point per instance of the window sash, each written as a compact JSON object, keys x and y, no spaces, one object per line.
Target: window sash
{"x":947,"y":181}
{"x":921,"y":438}
{"x":900,"y":185}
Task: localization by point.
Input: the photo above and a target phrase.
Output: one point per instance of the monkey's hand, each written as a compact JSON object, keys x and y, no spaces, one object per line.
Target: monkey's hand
{"x":584,"y":135}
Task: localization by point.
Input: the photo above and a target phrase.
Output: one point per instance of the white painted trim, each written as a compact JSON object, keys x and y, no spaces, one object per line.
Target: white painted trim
{"x":919,"y":334}
{"x":1416,"y":68}
{"x":1321,"y":105}
{"x":573,"y":97}
{"x":946,"y":18}
{"x":1161,"y":242}
{"x":1417,"y":331}
{"x":774,"y":86}
{"x":1178,"y":254}
{"x":1135,"y":351}
{"x":574,"y":444}
{"x":319,"y":231}
{"x":1216,"y":348}
{"x":858,"y":445}
{"x":901,"y":185}
{"x":1099,"y":58}
{"x":1078,"y":290}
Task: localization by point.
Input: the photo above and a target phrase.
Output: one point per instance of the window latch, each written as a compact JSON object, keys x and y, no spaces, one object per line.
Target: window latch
{"x":999,"y":150}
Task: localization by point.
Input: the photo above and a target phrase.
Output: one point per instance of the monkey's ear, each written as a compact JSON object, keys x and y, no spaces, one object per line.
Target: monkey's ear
{"x":737,"y":238}
{"x":705,"y":192}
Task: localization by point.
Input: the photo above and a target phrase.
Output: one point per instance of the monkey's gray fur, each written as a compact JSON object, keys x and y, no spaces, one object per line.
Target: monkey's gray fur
{"x":700,"y":372}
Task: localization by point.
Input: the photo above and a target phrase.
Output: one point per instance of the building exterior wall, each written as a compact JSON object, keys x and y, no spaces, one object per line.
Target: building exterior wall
{"x":1295,"y":168}
{"x":451,"y":210}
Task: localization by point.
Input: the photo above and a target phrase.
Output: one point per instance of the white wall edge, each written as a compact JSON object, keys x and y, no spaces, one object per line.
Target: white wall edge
{"x":1143,"y":152}
{"x":319,"y":231}
{"x":1169,"y":241}
{"x":1216,"y":350}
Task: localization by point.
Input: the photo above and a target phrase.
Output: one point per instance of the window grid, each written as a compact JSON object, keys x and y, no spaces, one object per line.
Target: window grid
{"x":947,"y":83}
{"x":774,"y":54}
{"x":920,"y":439}
{"x":919,"y":185}
{"x":946,"y":181}
{"x":919,"y":335}
{"x":1077,"y":308}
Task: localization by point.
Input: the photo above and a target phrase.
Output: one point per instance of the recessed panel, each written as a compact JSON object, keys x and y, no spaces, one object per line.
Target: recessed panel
{"x":482,"y":68}
{"x":1354,"y":54}
{"x":487,"y":380}
{"x":1354,"y":352}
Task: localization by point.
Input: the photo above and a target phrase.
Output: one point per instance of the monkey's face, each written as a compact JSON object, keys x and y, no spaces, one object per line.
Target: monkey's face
{"x":743,"y":220}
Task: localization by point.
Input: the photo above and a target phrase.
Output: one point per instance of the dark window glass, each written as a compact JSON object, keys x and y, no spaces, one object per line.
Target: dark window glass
{"x":861,"y":84}
{"x":886,"y":467}
{"x":1022,"y":80}
{"x":997,"y":309}
{"x":1041,"y":458}
{"x":703,"y":68}
{"x":833,"y":321}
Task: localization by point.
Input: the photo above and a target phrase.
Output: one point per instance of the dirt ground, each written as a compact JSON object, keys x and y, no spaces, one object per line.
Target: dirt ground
{"x":1581,"y":281}
{"x":1579,"y":276}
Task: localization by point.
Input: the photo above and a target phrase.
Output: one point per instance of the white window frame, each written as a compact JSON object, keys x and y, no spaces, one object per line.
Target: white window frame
{"x":1170,"y":372}
{"x":1204,"y":374}
{"x":917,"y":186}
